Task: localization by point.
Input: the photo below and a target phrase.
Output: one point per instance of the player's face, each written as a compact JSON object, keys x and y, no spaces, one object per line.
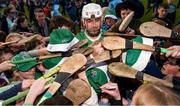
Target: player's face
{"x":93,"y":26}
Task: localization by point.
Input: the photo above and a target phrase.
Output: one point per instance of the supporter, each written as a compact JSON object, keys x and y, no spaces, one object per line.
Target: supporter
{"x":41,"y":25}
{"x":162,"y":15}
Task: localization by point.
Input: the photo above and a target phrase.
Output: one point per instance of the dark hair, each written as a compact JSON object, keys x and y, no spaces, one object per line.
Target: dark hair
{"x":20,"y":20}
{"x":57,"y":100}
{"x":123,"y":6}
{"x":59,"y":21}
{"x":163,"y":5}
{"x":7,"y":10}
{"x":37,"y":10}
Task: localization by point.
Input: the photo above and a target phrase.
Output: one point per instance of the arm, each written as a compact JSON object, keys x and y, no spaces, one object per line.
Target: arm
{"x":15,"y":89}
{"x":38,"y":52}
{"x":36,"y":89}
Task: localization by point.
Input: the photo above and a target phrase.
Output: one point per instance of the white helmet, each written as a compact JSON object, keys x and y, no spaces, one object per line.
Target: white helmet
{"x":91,"y":9}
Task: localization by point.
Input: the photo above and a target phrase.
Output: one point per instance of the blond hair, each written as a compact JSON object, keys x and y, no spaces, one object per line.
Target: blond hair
{"x":155,"y":94}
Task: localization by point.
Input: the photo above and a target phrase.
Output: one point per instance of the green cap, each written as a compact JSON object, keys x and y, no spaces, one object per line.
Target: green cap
{"x":51,"y":62}
{"x":96,"y":78}
{"x":24,"y":67}
{"x":111,"y":14}
{"x":61,"y":40}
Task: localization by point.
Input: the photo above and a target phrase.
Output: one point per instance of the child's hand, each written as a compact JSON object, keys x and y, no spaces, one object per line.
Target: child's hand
{"x":6,"y":65}
{"x":111,"y":89}
{"x":175,"y":52}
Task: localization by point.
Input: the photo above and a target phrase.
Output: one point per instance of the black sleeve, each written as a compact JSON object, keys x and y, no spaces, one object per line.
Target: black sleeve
{"x":115,"y":102}
{"x":11,"y":92}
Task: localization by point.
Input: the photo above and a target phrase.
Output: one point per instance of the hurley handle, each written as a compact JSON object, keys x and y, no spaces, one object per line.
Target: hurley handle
{"x":123,"y":70}
{"x":143,"y":47}
{"x":36,"y":58}
{"x":164,"y":50}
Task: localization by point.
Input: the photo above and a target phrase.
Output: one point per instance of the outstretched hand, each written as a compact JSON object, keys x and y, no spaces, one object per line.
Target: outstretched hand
{"x":36,"y":89}
{"x":111,"y":89}
{"x":174,"y":52}
{"x":6,"y":65}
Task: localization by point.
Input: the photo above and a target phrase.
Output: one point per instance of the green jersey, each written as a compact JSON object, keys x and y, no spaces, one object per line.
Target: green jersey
{"x":83,"y":35}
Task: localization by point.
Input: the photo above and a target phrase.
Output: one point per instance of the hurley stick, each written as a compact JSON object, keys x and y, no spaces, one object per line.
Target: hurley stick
{"x":119,"y":34}
{"x":115,"y":27}
{"x":123,"y":70}
{"x":74,"y":91}
{"x":116,"y":43}
{"x":106,"y":55}
{"x":152,"y":29}
{"x":126,"y":22}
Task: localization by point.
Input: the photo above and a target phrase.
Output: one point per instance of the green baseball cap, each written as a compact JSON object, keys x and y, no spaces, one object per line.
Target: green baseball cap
{"x":51,"y":62}
{"x":25,"y":66}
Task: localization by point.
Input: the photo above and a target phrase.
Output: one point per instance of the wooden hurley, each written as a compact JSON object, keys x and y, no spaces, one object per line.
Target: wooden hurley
{"x":116,"y":43}
{"x":115,"y":27}
{"x":126,"y":22}
{"x":119,"y":34}
{"x":28,"y":39}
{"x":74,"y":91}
{"x":68,"y":68}
{"x":107,"y":55}
{"x":123,"y":70}
{"x":152,"y":29}
{"x":84,"y":51}
{"x":104,"y":56}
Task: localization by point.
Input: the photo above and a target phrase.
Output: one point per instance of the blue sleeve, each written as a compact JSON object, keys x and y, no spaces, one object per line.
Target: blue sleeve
{"x":11,"y":92}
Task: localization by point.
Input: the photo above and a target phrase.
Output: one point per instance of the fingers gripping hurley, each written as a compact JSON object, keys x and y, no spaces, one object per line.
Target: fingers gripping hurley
{"x":75,"y":93}
{"x":115,"y":43}
{"x":152,"y":29}
{"x":68,"y":68}
{"x":123,"y":70}
{"x":126,"y":22}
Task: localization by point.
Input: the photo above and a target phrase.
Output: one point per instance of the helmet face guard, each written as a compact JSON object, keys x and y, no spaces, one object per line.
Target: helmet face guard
{"x":90,"y":10}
